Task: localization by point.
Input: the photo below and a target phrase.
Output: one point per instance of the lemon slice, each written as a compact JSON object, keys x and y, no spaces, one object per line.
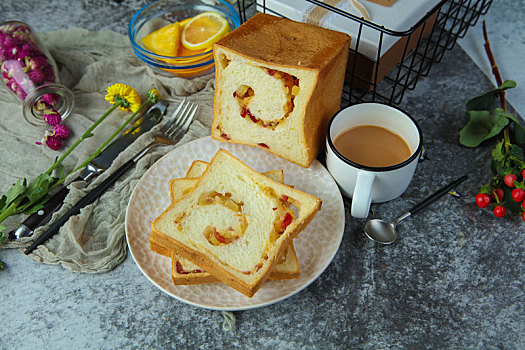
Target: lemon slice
{"x":164,"y":41}
{"x":203,"y":30}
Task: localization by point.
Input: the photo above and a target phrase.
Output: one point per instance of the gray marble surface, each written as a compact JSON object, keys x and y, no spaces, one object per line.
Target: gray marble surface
{"x":455,"y":279}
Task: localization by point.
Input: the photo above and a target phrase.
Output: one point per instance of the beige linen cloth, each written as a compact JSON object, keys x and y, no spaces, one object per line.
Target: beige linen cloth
{"x":93,"y":241}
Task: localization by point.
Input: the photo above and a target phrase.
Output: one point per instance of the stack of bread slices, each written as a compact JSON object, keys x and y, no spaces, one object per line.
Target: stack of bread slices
{"x":228,"y":223}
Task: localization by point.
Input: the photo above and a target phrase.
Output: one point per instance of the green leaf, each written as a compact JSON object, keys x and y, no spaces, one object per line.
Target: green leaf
{"x":507,"y":84}
{"x":516,"y":152}
{"x":13,"y":193}
{"x":88,"y":135}
{"x":484,"y":101}
{"x":481,"y":126}
{"x":498,"y":153}
{"x":485,"y":189}
{"x":38,"y":189}
{"x":519,"y":134}
{"x":519,"y":185}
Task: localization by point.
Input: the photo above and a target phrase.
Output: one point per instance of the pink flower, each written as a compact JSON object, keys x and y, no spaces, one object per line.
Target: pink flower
{"x":61,"y":131}
{"x":36,"y":76}
{"x":54,"y":142}
{"x":2,"y":38}
{"x":50,"y":99}
{"x":11,"y":43}
{"x":27,"y":50}
{"x":38,"y":62}
{"x":52,"y":118}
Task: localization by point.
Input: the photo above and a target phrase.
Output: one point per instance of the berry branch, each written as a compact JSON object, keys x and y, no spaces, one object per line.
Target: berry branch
{"x":506,"y":191}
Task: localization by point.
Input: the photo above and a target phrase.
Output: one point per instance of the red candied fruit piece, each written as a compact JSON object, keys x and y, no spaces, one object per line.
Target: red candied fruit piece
{"x":263,"y":145}
{"x":225,"y":136}
{"x":178,"y":266}
{"x":219,"y":237}
{"x":244,"y":111}
{"x":287,"y":220}
{"x":271,"y":71}
{"x":252,"y":117}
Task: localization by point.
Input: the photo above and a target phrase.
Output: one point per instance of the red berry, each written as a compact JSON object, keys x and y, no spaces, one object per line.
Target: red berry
{"x":523,"y":173}
{"x":482,"y":200}
{"x":518,"y":194}
{"x":499,"y":192}
{"x":523,"y":216}
{"x":500,"y":211}
{"x":509,"y":179}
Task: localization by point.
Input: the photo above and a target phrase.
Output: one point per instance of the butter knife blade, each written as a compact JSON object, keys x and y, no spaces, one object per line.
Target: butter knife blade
{"x":102,"y":162}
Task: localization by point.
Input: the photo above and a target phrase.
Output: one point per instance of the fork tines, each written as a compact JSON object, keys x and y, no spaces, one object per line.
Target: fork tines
{"x":181,"y":119}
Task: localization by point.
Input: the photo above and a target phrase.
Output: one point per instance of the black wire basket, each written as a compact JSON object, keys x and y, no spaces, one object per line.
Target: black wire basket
{"x":386,"y":78}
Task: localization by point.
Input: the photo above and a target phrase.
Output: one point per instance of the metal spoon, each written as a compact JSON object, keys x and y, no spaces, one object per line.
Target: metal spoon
{"x":385,"y":232}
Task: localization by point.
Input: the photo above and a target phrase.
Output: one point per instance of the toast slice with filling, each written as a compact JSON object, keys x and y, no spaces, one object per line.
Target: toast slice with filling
{"x":185,"y":272}
{"x":234,"y":222}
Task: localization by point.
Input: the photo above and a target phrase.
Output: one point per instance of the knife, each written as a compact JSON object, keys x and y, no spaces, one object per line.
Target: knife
{"x":102,"y":162}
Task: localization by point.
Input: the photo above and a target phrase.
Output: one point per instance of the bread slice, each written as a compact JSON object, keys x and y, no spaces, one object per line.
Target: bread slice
{"x":185,"y":272}
{"x":277,"y":83}
{"x":234,"y":222}
{"x":196,"y":169}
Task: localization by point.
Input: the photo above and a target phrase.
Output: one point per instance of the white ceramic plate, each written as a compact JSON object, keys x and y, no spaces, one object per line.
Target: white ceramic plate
{"x":316,"y":245}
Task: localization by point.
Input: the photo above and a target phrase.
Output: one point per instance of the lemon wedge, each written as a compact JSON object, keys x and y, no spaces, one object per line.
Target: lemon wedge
{"x":204,"y":30}
{"x":164,"y":41}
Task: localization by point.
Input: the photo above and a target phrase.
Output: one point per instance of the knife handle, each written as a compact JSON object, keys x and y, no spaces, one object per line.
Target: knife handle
{"x":88,"y":199}
{"x":42,"y":216}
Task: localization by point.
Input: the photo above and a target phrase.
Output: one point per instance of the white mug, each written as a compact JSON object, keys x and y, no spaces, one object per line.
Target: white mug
{"x":366,"y":184}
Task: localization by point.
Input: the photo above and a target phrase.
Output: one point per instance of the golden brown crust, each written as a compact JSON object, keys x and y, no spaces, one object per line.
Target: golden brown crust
{"x":156,"y":247}
{"x":205,"y":277}
{"x":324,"y":103}
{"x":281,"y":41}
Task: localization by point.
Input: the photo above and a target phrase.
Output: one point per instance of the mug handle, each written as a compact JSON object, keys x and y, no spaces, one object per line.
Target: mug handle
{"x":362,"y":196}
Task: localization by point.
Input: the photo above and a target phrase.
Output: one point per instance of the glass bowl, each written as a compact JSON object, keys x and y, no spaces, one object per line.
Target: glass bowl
{"x":162,"y":12}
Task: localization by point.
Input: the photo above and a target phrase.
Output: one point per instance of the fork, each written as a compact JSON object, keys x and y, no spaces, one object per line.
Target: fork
{"x":169,"y":134}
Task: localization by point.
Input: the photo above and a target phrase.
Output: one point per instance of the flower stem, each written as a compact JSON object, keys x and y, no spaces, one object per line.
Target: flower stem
{"x":85,"y":135}
{"x":11,"y":210}
{"x":101,"y":148}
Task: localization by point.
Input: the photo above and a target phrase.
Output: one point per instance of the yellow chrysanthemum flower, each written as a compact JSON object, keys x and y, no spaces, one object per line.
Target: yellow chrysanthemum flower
{"x":128,"y":97}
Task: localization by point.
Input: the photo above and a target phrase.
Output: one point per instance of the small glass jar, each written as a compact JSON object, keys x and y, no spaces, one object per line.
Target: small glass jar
{"x":30,"y":73}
